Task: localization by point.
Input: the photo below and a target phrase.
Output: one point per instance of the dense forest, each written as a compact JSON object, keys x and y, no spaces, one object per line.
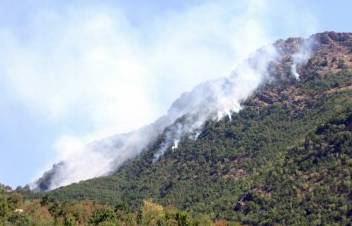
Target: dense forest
{"x":17,"y":211}
{"x":284,"y":159}
{"x":288,"y":163}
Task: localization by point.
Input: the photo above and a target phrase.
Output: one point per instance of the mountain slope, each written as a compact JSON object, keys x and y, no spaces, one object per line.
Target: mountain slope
{"x":312,"y":185}
{"x":228,"y":170}
{"x":211,"y":100}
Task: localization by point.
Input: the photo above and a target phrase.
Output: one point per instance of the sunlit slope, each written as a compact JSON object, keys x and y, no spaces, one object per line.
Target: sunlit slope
{"x":261,"y":151}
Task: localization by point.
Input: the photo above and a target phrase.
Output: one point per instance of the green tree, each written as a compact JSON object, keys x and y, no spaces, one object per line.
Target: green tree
{"x":20,"y":219}
{"x":4,"y":208}
{"x":105,"y":216}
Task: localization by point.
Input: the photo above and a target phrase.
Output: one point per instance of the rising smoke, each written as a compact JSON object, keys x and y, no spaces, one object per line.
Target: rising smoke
{"x":215,"y":99}
{"x":91,"y":63}
{"x":302,"y":56}
{"x":211,"y":100}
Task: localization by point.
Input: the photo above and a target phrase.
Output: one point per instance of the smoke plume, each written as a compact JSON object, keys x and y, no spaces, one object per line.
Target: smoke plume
{"x":211,"y":100}
{"x":93,"y":71}
{"x":302,"y":56}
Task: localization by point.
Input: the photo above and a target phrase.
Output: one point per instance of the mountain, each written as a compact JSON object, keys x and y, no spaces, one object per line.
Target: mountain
{"x":276,"y":149}
{"x":211,"y":100}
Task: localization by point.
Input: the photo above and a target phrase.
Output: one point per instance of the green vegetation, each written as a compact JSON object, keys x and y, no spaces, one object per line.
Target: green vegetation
{"x":16,"y":211}
{"x":313,"y":184}
{"x":284,"y":159}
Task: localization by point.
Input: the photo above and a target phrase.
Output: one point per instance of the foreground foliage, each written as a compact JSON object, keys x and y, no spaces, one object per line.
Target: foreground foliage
{"x":16,"y":211}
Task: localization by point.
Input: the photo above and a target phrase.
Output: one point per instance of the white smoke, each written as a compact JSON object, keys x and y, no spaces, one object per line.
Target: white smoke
{"x":208,"y":101}
{"x":218,"y":98}
{"x":175,"y":146}
{"x":302,"y":56}
{"x":211,"y":100}
{"x":99,"y":158}
{"x":92,"y":65}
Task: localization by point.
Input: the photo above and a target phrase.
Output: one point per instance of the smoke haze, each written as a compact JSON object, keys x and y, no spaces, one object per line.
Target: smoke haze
{"x":92,"y":65}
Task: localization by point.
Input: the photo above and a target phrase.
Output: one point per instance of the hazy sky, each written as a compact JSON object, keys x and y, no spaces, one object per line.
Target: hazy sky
{"x":75,"y":71}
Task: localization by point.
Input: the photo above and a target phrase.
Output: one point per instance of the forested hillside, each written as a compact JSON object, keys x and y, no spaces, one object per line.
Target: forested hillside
{"x":285,"y":158}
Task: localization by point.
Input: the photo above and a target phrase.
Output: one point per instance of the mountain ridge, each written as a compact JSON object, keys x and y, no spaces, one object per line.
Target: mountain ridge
{"x":209,"y":100}
{"x":227,"y":171}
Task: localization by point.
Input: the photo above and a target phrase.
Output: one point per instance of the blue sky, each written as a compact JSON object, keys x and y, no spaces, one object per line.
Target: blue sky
{"x":75,"y":71}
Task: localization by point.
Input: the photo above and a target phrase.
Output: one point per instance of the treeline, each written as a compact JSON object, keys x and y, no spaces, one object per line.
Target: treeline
{"x":16,"y":210}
